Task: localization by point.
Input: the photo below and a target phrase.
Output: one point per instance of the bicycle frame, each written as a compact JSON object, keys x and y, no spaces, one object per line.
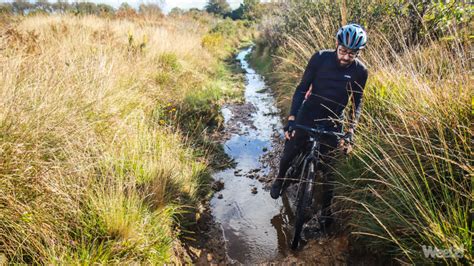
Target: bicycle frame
{"x":307,"y":176}
{"x":313,"y":153}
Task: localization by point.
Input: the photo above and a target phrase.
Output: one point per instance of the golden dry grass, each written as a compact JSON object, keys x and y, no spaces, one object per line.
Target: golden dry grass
{"x":91,"y":163}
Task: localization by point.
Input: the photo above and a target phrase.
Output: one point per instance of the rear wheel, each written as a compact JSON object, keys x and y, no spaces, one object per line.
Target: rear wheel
{"x":303,"y":200}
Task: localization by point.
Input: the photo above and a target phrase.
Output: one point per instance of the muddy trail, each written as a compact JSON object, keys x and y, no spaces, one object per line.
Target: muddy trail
{"x":242,"y":224}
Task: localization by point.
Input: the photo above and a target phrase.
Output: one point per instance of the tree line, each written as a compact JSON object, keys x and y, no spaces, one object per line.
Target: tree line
{"x":248,"y":10}
{"x":24,"y":7}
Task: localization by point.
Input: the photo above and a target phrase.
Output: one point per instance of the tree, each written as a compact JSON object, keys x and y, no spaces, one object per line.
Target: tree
{"x":85,"y":8}
{"x":219,"y":7}
{"x":249,"y":9}
{"x":153,"y":10}
{"x":125,"y":7}
{"x":125,"y":11}
{"x":176,"y":11}
{"x":252,"y":9}
{"x":44,"y":6}
{"x":21,"y":6}
{"x":62,"y":6}
{"x":105,"y":9}
{"x":237,"y":13}
{"x":6,"y":8}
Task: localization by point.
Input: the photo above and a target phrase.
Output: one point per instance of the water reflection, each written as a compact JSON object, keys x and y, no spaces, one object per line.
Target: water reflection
{"x":256,"y":227}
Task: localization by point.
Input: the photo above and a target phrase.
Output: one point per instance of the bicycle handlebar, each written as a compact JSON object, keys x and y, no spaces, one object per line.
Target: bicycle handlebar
{"x":320,"y":131}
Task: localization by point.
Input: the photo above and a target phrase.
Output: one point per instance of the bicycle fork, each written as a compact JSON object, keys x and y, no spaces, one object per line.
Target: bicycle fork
{"x":310,"y":164}
{"x":305,"y":192}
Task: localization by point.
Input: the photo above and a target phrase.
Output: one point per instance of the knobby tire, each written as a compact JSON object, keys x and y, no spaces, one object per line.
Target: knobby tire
{"x":304,"y":200}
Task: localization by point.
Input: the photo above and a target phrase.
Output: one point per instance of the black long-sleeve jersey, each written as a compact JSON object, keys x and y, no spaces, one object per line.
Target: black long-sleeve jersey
{"x":332,"y":87}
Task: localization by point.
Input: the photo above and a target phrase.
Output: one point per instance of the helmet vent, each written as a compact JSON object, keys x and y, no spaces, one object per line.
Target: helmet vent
{"x":358,"y":41}
{"x":346,"y":43}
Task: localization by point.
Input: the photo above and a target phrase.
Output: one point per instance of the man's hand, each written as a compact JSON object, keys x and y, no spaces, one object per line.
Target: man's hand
{"x":289,"y":135}
{"x":290,"y":128}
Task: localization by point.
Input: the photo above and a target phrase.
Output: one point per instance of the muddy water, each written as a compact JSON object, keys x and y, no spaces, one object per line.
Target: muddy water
{"x":255,"y":227}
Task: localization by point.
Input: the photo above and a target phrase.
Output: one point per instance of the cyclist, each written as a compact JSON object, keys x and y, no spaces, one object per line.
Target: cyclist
{"x":331,"y":79}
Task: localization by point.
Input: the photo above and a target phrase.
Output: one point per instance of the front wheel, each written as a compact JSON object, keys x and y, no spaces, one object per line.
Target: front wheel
{"x":303,"y":200}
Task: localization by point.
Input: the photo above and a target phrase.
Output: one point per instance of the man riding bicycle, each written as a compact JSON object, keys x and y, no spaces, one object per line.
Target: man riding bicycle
{"x":330,"y":80}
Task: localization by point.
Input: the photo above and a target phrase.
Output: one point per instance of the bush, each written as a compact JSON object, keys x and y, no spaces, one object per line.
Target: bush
{"x":212,"y":41}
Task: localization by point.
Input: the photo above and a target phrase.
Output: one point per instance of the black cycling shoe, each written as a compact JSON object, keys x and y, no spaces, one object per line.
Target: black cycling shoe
{"x":276,"y":188}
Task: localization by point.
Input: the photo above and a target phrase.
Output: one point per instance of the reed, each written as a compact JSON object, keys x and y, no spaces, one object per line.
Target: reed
{"x":94,"y":163}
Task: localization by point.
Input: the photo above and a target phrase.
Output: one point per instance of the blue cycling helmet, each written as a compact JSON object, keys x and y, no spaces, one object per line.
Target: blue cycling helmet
{"x":352,"y":36}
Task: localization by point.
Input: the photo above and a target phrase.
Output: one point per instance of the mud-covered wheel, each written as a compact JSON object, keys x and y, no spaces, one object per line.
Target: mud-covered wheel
{"x":303,"y":201}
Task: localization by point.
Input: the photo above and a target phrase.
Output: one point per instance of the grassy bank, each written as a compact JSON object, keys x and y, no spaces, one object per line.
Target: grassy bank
{"x":261,"y":59}
{"x":103,"y":133}
{"x":407,"y":187}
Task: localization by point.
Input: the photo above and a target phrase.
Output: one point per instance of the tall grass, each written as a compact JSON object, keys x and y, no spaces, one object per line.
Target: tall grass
{"x":94,"y":165}
{"x":408,"y":183}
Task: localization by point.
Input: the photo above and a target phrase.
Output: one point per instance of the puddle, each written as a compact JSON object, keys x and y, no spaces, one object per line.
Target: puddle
{"x":252,"y":223}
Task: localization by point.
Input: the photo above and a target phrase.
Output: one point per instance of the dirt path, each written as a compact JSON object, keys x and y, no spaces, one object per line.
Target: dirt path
{"x":241,"y":224}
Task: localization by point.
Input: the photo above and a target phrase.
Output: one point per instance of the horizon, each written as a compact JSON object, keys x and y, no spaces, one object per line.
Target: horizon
{"x":166,"y":5}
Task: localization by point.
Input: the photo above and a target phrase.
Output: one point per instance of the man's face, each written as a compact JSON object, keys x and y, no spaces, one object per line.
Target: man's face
{"x":345,"y":56}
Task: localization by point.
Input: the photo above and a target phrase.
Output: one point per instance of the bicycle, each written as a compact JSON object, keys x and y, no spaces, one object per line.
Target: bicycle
{"x":305,"y":165}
